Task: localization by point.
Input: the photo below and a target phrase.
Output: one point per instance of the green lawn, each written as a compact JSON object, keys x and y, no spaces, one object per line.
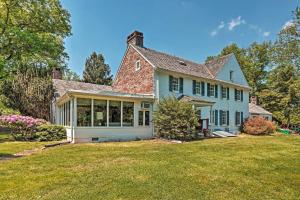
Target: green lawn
{"x":266,"y":167}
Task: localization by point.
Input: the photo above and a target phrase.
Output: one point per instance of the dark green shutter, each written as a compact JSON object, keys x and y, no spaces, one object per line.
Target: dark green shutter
{"x":242,"y":117}
{"x":194,"y":87}
{"x":181,"y":85}
{"x":221,"y":93}
{"x":235,"y":94}
{"x":170,"y":83}
{"x":202,"y":88}
{"x":228,"y":93}
{"x":227,"y":117}
{"x":236,"y":121}
{"x":242,"y":94}
{"x":216,"y":117}
{"x":220,"y":116}
{"x":216,"y":91}
{"x":208,"y":90}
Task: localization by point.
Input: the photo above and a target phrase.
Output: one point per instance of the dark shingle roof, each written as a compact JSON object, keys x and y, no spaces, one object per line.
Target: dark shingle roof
{"x":255,"y":109}
{"x":62,"y":86}
{"x":177,"y":64}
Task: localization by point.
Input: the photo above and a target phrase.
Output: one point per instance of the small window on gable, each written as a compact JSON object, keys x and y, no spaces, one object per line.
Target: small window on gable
{"x":231,"y":75}
{"x":137,"y":65}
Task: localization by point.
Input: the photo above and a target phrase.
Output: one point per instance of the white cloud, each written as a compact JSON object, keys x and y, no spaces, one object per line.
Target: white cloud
{"x":215,"y":32}
{"x":266,"y":33}
{"x":288,"y":24}
{"x":235,"y":22}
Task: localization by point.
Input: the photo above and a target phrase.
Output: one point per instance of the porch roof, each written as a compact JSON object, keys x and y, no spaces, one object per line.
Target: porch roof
{"x":196,"y":100}
{"x":105,"y":93}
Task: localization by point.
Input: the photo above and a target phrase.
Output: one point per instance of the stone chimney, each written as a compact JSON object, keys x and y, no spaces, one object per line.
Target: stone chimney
{"x":253,"y":100}
{"x":56,"y":73}
{"x":136,"y":38}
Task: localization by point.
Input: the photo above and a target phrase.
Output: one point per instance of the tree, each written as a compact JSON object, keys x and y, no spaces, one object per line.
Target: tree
{"x":70,"y":75}
{"x":282,"y":95}
{"x":96,"y":71}
{"x":175,"y":119}
{"x":32,"y":32}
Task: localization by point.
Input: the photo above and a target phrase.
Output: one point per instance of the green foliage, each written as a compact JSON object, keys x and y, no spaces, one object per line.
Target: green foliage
{"x":70,"y":75}
{"x":50,"y":132}
{"x":259,"y":126}
{"x":96,"y":71}
{"x":4,"y":109}
{"x":175,"y":119}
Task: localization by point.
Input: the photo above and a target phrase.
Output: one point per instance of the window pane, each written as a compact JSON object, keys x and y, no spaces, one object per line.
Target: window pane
{"x":147,"y":118}
{"x":128,"y":113}
{"x":198,"y":87}
{"x":84,"y":112}
{"x":100,"y":113}
{"x":141,"y":117}
{"x":115,"y":113}
{"x":175,"y":84}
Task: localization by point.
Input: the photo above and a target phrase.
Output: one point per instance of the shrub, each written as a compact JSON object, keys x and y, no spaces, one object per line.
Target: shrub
{"x":175,"y":119}
{"x":22,"y":127}
{"x":50,"y":132}
{"x":259,"y":126}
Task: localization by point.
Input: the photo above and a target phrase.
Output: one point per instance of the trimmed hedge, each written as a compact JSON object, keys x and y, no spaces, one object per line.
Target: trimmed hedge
{"x":50,"y":132}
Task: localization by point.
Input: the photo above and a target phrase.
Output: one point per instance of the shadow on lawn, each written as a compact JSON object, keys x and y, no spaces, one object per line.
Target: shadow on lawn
{"x":7,"y":156}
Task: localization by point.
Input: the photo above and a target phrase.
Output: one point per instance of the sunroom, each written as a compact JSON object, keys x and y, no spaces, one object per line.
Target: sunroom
{"x":94,"y":116}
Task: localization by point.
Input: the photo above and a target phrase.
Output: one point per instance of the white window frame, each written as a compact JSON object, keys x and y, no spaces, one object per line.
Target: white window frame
{"x":175,"y":84}
{"x":223,"y":118}
{"x":212,"y":117}
{"x":137,"y":65}
{"x":211,"y":90}
{"x":198,"y":87}
{"x":224,"y":95}
{"x":231,"y":75}
{"x":238,"y":95}
{"x":144,"y":117}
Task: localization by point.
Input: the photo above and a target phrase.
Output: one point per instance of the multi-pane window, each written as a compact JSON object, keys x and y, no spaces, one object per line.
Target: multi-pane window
{"x":224,"y":92}
{"x":84,"y":111}
{"x":100,"y":113}
{"x":238,"y":95}
{"x":238,"y":118}
{"x":65,"y":114}
{"x":114,"y":113}
{"x":198,"y":87}
{"x":175,"y":84}
{"x":137,"y":65}
{"x":223,"y":117}
{"x":128,"y":110}
{"x":211,"y":90}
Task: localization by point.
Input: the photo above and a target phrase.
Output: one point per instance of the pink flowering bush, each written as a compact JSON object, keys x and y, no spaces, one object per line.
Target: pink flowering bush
{"x":22,"y":127}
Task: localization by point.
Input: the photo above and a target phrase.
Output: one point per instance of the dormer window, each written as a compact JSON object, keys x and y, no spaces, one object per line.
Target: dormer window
{"x":137,"y":65}
{"x":231,"y":75}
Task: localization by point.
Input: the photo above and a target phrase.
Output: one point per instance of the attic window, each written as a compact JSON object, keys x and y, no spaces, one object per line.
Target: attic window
{"x":137,"y":65}
{"x":231,"y":75}
{"x":181,"y":62}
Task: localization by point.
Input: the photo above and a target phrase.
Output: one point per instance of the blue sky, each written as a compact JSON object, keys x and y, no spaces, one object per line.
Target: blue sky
{"x":186,"y":28}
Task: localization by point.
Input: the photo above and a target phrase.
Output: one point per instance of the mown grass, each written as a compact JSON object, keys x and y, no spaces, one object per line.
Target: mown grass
{"x":266,"y":167}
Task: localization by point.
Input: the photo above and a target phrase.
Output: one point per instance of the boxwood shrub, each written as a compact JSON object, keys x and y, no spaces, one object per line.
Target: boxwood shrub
{"x":50,"y":132}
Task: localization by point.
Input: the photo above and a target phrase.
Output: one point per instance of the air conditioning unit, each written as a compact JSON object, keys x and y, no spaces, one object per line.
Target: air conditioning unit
{"x":145,"y":105}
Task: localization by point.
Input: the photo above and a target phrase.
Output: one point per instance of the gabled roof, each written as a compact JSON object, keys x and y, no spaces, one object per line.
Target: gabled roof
{"x":62,"y":86}
{"x":176,"y":64}
{"x":255,"y":109}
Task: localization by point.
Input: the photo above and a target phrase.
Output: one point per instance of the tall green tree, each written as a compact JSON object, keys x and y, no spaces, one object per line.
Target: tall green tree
{"x":282,"y":95}
{"x":96,"y":71}
{"x":71,"y":75}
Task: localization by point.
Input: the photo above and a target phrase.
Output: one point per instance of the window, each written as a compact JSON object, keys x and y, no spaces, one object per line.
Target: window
{"x":224,"y":92}
{"x":198,"y":88}
{"x":144,"y":118}
{"x":212,"y":116}
{"x":237,"y":118}
{"x":137,"y":65}
{"x":231,"y":75}
{"x":238,"y":95}
{"x":223,"y":117}
{"x":95,"y":139}
{"x":175,"y":84}
{"x":212,"y":90}
{"x":114,"y":113}
{"x":128,"y":116}
{"x":100,"y":113}
{"x":84,"y":110}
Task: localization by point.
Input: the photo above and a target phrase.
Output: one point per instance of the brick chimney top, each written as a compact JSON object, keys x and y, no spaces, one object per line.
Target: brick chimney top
{"x":56,"y":73}
{"x":253,"y":100}
{"x":136,"y":38}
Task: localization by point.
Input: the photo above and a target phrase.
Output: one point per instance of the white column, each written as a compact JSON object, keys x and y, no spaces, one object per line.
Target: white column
{"x":107,"y":114}
{"x":92,"y":117}
{"x":75,"y":112}
{"x":121,"y":113}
